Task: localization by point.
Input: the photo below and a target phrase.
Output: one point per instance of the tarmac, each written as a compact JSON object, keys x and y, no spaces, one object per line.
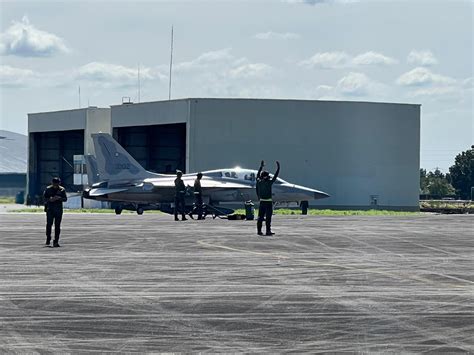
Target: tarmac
{"x":129,"y":283}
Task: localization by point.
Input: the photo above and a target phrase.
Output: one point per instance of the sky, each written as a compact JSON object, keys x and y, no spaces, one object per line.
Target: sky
{"x":416,"y":51}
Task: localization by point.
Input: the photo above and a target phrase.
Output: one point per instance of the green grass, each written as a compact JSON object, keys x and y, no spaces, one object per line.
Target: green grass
{"x":7,"y":200}
{"x":316,"y":212}
{"x":81,"y":210}
{"x":445,"y":204}
{"x":281,"y":211}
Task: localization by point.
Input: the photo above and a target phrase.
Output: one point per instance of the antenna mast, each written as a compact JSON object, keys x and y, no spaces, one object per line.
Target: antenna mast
{"x":138,"y":82}
{"x":171,"y":63}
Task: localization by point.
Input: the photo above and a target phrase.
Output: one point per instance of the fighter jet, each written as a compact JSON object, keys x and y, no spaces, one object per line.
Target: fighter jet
{"x":118,"y":177}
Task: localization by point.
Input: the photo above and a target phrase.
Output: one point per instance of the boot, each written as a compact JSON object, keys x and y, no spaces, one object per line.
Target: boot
{"x":269,"y":230}
{"x":56,"y":244}
{"x":259,"y":228}
{"x":48,"y":241}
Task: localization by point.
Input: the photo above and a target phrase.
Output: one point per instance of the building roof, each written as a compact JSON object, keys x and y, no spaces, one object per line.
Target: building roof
{"x":240,"y":99}
{"x":13,"y":152}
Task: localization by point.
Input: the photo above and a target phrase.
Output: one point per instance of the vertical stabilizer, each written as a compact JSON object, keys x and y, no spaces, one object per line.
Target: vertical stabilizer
{"x":114,"y":164}
{"x":92,"y":170}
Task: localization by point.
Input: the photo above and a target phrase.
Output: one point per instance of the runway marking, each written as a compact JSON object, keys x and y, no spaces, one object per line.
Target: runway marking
{"x":372,"y":271}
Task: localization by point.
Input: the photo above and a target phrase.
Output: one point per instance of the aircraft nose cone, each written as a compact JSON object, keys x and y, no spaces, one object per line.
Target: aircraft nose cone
{"x":318,"y":195}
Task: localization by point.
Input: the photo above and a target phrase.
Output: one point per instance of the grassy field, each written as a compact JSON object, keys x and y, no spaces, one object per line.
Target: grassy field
{"x":311,"y":212}
{"x":286,"y":211}
{"x":80,"y":210}
{"x":7,"y":200}
{"x":317,"y":212}
{"x":446,"y":204}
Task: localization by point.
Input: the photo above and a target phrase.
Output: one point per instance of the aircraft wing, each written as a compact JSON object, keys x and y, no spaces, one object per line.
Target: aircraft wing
{"x":205,"y":184}
{"x":105,"y":191}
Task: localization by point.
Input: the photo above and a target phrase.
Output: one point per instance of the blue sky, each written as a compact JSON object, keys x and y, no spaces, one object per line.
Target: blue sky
{"x":386,"y":51}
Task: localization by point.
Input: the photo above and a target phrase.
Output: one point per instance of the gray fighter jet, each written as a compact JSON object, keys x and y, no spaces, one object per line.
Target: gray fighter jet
{"x":119,"y":178}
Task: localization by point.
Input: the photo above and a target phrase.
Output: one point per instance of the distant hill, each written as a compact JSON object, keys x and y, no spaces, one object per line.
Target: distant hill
{"x":13,"y":152}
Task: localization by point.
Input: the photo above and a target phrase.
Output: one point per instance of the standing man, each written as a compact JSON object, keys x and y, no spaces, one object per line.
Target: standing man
{"x":179,"y":196}
{"x":54,"y":196}
{"x":264,"y":194}
{"x":198,"y":195}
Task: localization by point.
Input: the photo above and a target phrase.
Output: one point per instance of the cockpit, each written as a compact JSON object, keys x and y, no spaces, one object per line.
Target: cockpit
{"x":240,"y":174}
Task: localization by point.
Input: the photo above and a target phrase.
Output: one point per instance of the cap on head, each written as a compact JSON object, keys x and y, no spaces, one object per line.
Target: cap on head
{"x":179,"y":172}
{"x":199,"y":175}
{"x":264,"y":174}
{"x":56,"y":180}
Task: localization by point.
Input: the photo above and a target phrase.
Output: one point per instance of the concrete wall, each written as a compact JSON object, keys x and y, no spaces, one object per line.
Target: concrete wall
{"x":57,"y":121}
{"x":150,"y":113}
{"x":350,"y":150}
{"x":97,"y":120}
{"x":153,"y":113}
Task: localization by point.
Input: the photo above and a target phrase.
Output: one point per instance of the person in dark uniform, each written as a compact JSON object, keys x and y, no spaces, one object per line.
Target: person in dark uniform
{"x":54,"y":196}
{"x":198,"y":196}
{"x":179,"y":196}
{"x":264,"y":194}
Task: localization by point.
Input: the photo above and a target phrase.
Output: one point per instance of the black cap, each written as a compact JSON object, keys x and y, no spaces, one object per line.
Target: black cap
{"x":179,"y":172}
{"x":199,"y":175}
{"x":56,"y":180}
{"x":264,"y":173}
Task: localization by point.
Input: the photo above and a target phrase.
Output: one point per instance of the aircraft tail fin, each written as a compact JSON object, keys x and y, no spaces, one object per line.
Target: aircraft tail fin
{"x":114,"y":163}
{"x":92,"y":170}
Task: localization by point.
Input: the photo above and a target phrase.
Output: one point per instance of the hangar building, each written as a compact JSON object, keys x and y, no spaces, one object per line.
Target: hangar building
{"x":363,"y":154}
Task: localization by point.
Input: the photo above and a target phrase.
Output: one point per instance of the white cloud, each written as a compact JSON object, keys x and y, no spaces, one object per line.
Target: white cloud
{"x":252,"y":70}
{"x":373,"y":58}
{"x":326,"y":60}
{"x":354,"y":84}
{"x":113,"y":75}
{"x":337,"y":60}
{"x":423,"y":58}
{"x":436,"y":91}
{"x":206,"y":59}
{"x":11,"y":77}
{"x":423,"y":77}
{"x":24,"y":40}
{"x":276,"y":35}
{"x":468,"y":83}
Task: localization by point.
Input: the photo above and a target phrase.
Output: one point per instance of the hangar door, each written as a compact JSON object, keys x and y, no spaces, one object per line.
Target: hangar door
{"x":158,"y":148}
{"x":53,"y":153}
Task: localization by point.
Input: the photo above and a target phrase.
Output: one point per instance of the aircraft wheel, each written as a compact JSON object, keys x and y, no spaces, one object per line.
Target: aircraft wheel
{"x":118,"y":210}
{"x":139,"y":210}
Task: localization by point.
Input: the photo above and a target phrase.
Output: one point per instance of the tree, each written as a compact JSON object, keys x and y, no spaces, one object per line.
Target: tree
{"x":462,"y":173}
{"x":435,"y":183}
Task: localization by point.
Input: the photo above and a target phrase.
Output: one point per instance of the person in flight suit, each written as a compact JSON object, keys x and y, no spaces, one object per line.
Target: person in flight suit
{"x":54,"y":196}
{"x":264,"y":194}
{"x":198,"y":196}
{"x":180,"y":192}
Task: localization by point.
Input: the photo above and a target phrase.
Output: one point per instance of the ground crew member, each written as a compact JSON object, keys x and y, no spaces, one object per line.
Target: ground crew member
{"x":264,"y":194}
{"x":198,"y":196}
{"x":54,"y":196}
{"x":180,"y":192}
